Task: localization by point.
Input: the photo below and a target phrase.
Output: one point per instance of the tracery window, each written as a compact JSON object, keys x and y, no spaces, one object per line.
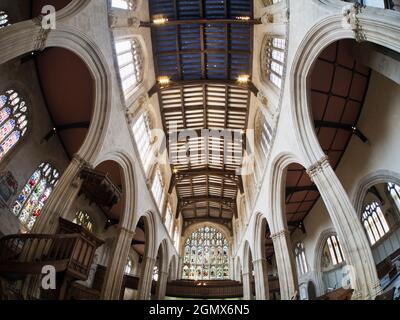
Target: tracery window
{"x":129,"y":266}
{"x":123,"y":4}
{"x":84,"y":220}
{"x":374,"y":222}
{"x":335,"y":251}
{"x":206,"y":255}
{"x":168,"y":219}
{"x":301,"y":258}
{"x":266,"y":136}
{"x":13,"y":120}
{"x":35,"y":193}
{"x":394,"y":191}
{"x":3,"y":19}
{"x":142,"y":134}
{"x":130,"y":64}
{"x":157,"y":189}
{"x":274,"y":59}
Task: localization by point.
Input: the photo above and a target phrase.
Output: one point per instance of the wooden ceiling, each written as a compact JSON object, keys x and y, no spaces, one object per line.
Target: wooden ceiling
{"x":202,"y":49}
{"x":339,"y":86}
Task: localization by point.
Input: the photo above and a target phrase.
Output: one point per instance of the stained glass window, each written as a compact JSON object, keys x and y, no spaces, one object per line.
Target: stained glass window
{"x":206,"y":255}
{"x":13,"y":120}
{"x":35,"y":193}
{"x":3,"y":19}
{"x":84,"y":220}
{"x":374,"y":222}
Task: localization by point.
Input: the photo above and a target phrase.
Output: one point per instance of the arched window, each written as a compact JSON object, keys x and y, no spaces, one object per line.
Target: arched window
{"x":374,"y":222}
{"x":206,"y":255}
{"x":394,"y":191}
{"x":130,"y":64}
{"x":13,"y":120}
{"x":274,"y":59}
{"x":157,"y":189}
{"x":265,"y":134}
{"x":176,"y":237}
{"x":35,"y":193}
{"x":84,"y":220}
{"x":335,"y":251}
{"x":123,"y":4}
{"x":3,"y":19}
{"x":155,"y":273}
{"x":168,"y":219}
{"x":129,"y":266}
{"x":142,"y":134}
{"x":301,"y":258}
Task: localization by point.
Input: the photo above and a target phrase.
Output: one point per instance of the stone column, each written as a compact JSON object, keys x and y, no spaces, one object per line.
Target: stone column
{"x":232,"y":268}
{"x":61,"y":199}
{"x":116,"y":265}
{"x":146,"y":278}
{"x":358,"y":255}
{"x":246,"y":286}
{"x":162,"y":285}
{"x":261,"y":279}
{"x":286,"y":265}
{"x":179,"y":271}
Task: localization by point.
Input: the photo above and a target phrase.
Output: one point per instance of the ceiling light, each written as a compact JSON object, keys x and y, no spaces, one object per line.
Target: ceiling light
{"x":164,"y":80}
{"x":244,"y":18}
{"x":175,"y":171}
{"x":243,"y":79}
{"x":160,"y":20}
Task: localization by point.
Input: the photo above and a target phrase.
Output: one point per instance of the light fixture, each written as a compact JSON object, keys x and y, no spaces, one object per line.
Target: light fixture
{"x":243,"y":18}
{"x":164,"y":80}
{"x":160,"y":20}
{"x":242,"y":132}
{"x":243,"y":79}
{"x":175,"y":171}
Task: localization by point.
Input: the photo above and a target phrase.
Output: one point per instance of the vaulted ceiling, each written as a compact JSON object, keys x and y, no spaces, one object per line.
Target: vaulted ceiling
{"x":202,"y":47}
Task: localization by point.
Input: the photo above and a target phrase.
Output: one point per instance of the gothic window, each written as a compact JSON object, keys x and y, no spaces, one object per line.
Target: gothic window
{"x":13,"y":120}
{"x":129,"y":63}
{"x":168,"y":219}
{"x":266,"y":135}
{"x":176,"y":237}
{"x":84,"y":220}
{"x":35,"y":193}
{"x":206,"y":255}
{"x":123,"y":4}
{"x":332,"y":247}
{"x":157,"y":189}
{"x":394,"y":191}
{"x":301,"y":258}
{"x":3,"y":19}
{"x":129,"y":266}
{"x":374,"y":222}
{"x":274,"y":59}
{"x":155,"y":273}
{"x":142,"y":135}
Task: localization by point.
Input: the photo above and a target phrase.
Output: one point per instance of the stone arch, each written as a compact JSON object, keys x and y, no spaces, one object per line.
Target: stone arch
{"x":373,"y":178}
{"x":277,"y":193}
{"x":150,"y":220}
{"x":381,"y":30}
{"x":23,"y":39}
{"x":317,"y":263}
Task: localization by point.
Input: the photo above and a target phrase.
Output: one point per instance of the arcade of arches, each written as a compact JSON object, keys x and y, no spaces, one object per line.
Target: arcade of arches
{"x":168,"y":149}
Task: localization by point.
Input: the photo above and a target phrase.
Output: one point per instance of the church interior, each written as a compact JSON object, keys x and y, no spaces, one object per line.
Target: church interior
{"x":199,"y":149}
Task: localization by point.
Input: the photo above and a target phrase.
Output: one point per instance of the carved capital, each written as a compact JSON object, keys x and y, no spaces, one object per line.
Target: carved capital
{"x":280,"y":234}
{"x":351,"y":21}
{"x":317,"y":167}
{"x":267,"y":18}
